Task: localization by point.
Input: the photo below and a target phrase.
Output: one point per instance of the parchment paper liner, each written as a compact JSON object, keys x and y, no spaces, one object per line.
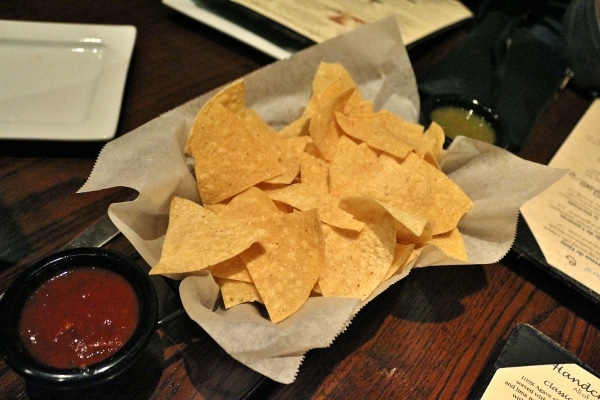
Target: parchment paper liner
{"x":150,"y":160}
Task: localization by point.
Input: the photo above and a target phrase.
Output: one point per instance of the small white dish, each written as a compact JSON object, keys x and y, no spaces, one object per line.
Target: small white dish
{"x":62,"y":82}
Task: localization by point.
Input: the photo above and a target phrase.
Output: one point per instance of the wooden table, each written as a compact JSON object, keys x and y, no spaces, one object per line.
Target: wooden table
{"x":429,"y":336}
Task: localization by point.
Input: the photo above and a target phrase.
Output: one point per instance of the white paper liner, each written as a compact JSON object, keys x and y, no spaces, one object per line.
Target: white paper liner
{"x":150,"y":160}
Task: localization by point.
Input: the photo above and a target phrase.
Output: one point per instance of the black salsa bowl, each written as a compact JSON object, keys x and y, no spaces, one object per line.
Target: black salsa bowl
{"x":11,"y":305}
{"x":469,"y":107}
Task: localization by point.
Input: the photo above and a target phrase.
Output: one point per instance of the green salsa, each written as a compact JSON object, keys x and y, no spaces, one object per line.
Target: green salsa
{"x":460,"y":121}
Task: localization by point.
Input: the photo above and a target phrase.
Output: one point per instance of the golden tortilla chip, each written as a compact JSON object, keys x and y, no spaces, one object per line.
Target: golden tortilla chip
{"x":233,"y":269}
{"x":413,"y":186}
{"x":402,"y":129}
{"x":291,"y":151}
{"x":197,"y":238}
{"x":451,"y":243}
{"x":307,"y":197}
{"x":385,"y":121}
{"x":236,"y":292}
{"x":356,"y":263}
{"x":250,"y":204}
{"x":402,"y":257}
{"x":410,"y":228}
{"x":287,"y":262}
{"x":357,"y":105}
{"x":350,"y":160}
{"x":232,"y":97}
{"x":312,"y":150}
{"x":323,"y":128}
{"x":314,"y":171}
{"x":432,"y":142}
{"x":373,"y":130}
{"x":294,"y":129}
{"x":331,"y":86}
{"x":229,"y":158}
{"x":326,"y":75}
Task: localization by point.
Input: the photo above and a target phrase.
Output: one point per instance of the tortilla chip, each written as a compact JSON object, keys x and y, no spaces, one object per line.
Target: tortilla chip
{"x":357,"y":105}
{"x":410,"y":228}
{"x":351,"y":159}
{"x":451,"y":243}
{"x":323,"y":128}
{"x":297,"y":128}
{"x":232,"y":97}
{"x":413,"y":186}
{"x":197,"y":238}
{"x":432,"y":142}
{"x":233,"y":269}
{"x":314,"y":171}
{"x":236,"y":292}
{"x":402,"y":256}
{"x":326,"y":75}
{"x":402,"y":129}
{"x":307,"y":197}
{"x":287,"y":262}
{"x":229,"y":158}
{"x":291,"y":151}
{"x":356,"y":263}
{"x":250,"y":204}
{"x":373,"y":130}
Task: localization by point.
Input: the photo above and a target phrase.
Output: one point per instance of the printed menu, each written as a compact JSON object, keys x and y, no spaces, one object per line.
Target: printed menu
{"x":320,"y":20}
{"x":565,"y":219}
{"x":280,"y":28}
{"x":544,"y":382}
{"x":531,"y":366}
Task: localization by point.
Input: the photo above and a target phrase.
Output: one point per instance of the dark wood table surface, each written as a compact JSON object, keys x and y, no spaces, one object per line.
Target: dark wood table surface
{"x":428,"y":337}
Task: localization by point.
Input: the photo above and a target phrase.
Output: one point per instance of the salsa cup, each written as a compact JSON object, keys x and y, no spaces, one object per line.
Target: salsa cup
{"x":467,"y":109}
{"x":19,"y":359}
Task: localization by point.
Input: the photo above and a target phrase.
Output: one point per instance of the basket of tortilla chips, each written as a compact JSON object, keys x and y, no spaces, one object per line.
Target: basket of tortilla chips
{"x":290,"y":198}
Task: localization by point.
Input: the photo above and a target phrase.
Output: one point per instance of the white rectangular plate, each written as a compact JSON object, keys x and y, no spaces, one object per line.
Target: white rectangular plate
{"x":62,"y":82}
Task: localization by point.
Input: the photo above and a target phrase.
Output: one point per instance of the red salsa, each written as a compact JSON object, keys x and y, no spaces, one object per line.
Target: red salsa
{"x":79,"y":318}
